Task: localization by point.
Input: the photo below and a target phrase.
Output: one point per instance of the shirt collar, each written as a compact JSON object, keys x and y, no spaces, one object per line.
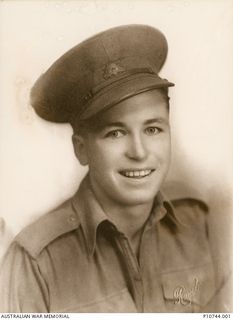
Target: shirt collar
{"x":91,"y":214}
{"x":170,"y":210}
{"x":89,"y":211}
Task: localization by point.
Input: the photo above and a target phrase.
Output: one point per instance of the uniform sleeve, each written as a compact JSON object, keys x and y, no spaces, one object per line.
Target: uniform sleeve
{"x":205,"y":229}
{"x":22,"y":287}
{"x":221,"y":301}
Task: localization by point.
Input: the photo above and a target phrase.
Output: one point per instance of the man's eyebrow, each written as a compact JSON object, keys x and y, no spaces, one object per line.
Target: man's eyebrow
{"x":156,"y":120}
{"x":113,"y":124}
{"x":122,"y":124}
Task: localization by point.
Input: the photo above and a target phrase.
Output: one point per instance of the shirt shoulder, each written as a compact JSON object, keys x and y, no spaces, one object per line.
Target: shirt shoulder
{"x":188,"y":204}
{"x":35,"y":237}
{"x":186,"y":241}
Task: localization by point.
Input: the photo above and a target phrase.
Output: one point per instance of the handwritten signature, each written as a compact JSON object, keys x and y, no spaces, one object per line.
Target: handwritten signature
{"x":183,"y":295}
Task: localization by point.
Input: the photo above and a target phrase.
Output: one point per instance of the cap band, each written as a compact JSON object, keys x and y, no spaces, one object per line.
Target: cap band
{"x":122,"y":75}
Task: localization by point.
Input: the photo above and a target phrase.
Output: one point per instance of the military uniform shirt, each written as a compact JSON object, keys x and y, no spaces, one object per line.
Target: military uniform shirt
{"x":74,"y":259}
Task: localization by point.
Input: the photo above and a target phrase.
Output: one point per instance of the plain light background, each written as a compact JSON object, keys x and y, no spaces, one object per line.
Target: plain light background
{"x":38,"y":169}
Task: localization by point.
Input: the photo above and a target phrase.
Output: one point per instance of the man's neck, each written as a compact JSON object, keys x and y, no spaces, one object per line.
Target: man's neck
{"x":129,"y":219}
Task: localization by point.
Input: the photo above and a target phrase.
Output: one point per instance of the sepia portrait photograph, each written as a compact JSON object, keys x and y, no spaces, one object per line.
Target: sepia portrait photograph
{"x":116,"y":165}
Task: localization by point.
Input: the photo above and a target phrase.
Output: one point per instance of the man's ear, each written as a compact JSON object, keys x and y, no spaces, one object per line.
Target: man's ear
{"x":80,"y":149}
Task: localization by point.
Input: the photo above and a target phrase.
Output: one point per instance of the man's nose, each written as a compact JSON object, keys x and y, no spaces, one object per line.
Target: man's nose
{"x":136,"y":148}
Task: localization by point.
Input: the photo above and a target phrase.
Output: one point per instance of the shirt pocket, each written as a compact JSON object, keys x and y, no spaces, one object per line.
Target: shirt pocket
{"x":120,"y":301}
{"x":188,"y":290}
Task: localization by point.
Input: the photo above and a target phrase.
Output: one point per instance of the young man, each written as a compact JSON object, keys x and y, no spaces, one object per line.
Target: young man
{"x":118,"y":245}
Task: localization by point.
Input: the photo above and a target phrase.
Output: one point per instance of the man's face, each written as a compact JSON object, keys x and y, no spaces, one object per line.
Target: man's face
{"x":129,"y":152}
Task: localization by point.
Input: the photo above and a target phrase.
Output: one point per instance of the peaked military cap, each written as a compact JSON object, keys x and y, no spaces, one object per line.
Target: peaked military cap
{"x":100,"y":72}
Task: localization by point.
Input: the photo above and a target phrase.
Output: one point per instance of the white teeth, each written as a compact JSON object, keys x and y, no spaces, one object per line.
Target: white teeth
{"x":138,"y":173}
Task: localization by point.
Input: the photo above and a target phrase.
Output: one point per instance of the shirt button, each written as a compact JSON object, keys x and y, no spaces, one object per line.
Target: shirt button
{"x":72,"y":218}
{"x":137,"y":279}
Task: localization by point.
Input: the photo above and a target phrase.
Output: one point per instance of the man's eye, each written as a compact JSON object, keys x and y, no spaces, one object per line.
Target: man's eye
{"x":152,"y":131}
{"x":115,"y":134}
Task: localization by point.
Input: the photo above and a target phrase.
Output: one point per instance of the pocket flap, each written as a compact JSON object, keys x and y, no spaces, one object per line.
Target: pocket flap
{"x":192,"y":286}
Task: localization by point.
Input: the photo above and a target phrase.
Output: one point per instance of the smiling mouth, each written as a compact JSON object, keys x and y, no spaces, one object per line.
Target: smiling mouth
{"x":136,"y":174}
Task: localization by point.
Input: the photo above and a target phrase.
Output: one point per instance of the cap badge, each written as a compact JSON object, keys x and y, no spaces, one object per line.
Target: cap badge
{"x":112,"y":70}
